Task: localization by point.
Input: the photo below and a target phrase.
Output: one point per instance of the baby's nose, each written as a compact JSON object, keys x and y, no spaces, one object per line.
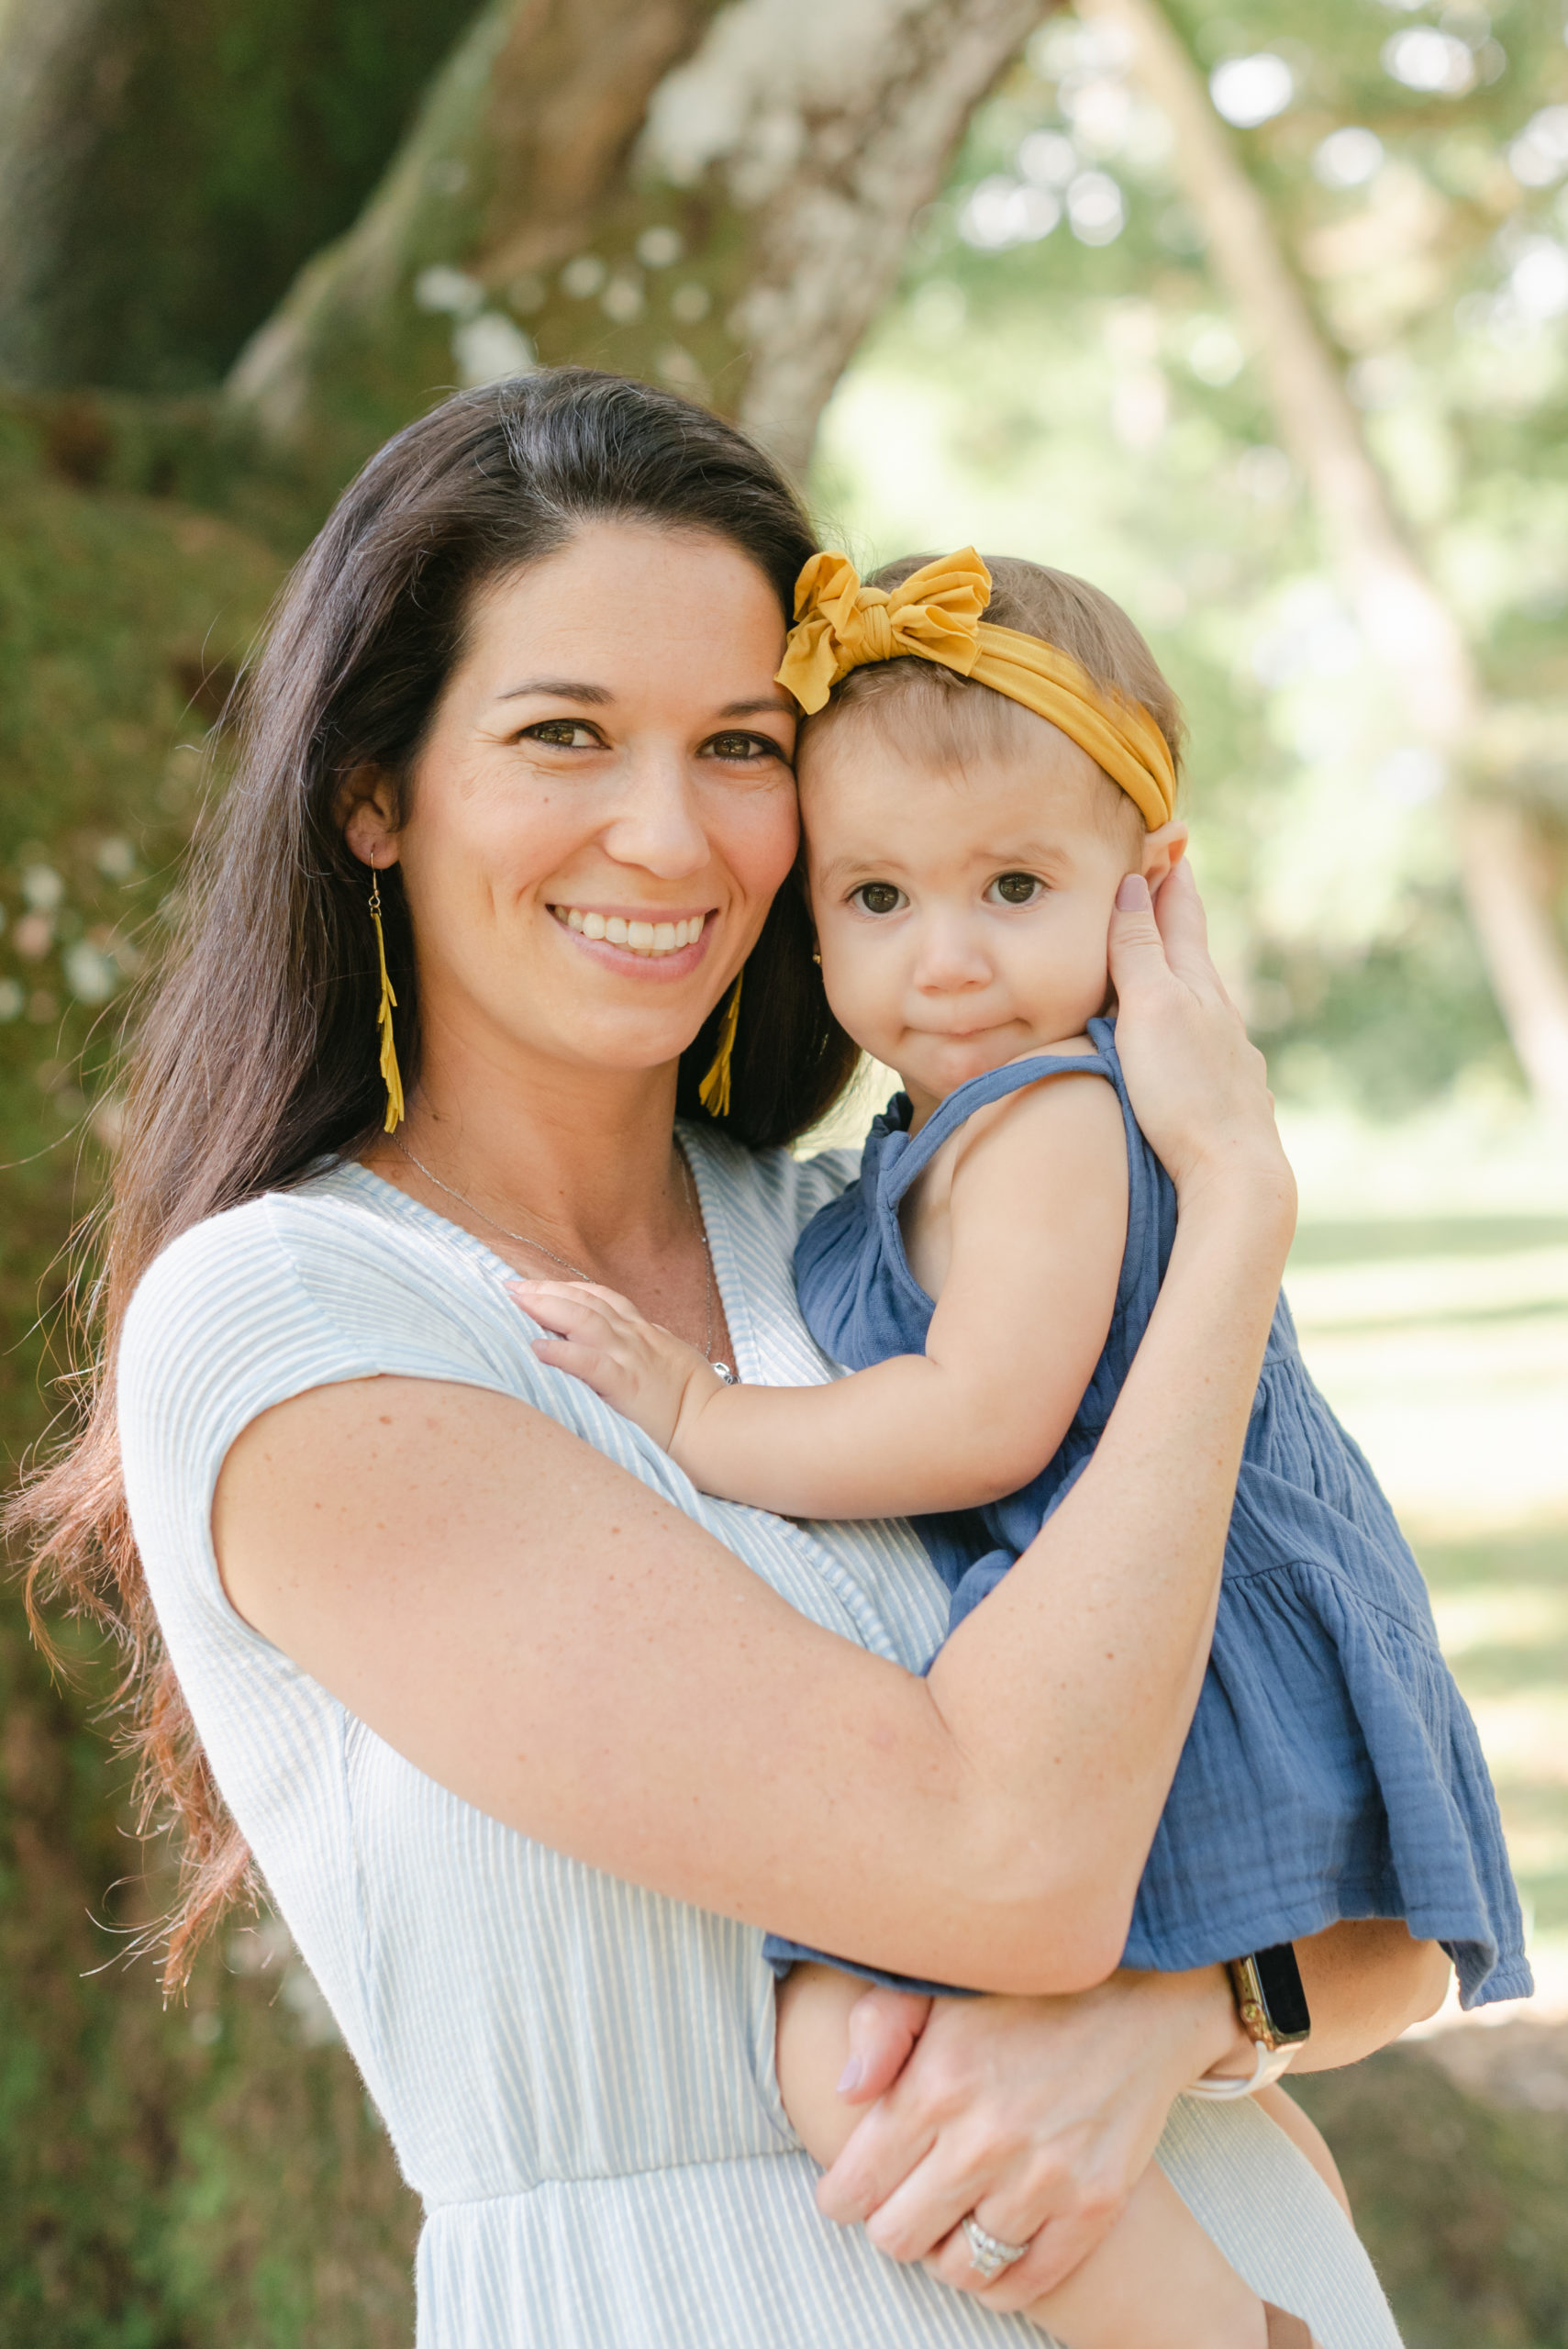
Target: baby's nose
{"x":950,"y":959}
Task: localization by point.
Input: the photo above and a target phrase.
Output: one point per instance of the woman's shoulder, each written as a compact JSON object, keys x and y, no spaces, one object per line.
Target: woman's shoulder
{"x":267,"y":1255}
{"x":213,"y":1267}
{"x":339,"y":1278}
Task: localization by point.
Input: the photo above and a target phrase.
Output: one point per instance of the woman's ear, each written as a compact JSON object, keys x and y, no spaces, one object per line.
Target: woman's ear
{"x":365,"y":812}
{"x":1162,"y":851}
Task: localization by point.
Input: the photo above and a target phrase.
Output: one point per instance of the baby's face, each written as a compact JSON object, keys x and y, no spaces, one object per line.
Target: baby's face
{"x":962,"y":918}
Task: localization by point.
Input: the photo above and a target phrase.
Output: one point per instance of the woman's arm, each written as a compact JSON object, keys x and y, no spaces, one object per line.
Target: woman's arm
{"x":560,"y":1647}
{"x":1039,"y":1225}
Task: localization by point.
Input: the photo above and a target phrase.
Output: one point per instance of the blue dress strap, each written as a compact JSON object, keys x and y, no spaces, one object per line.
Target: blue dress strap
{"x":978,"y":1093}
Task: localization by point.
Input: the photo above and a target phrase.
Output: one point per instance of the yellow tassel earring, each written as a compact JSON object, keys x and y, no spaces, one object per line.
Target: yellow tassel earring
{"x":391,"y":1074}
{"x":713,"y":1090}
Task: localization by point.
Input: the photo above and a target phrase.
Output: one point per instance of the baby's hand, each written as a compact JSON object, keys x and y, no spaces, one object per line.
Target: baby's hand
{"x":640,"y":1369}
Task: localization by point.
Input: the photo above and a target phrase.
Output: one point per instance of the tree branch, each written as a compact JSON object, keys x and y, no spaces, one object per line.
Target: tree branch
{"x":1404,"y":616}
{"x":730,"y":193}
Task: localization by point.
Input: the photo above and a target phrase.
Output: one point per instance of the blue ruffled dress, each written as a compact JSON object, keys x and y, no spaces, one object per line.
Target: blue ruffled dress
{"x":1332,"y":1769}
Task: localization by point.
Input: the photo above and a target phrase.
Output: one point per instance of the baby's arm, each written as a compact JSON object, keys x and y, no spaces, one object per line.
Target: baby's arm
{"x":1037,"y":1218}
{"x":1157,"y":2280}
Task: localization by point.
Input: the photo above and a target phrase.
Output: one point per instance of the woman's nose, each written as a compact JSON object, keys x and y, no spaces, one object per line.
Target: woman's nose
{"x":657,"y":825}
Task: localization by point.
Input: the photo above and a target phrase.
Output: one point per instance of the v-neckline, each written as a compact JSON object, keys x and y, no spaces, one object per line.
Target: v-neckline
{"x":727,"y":1288}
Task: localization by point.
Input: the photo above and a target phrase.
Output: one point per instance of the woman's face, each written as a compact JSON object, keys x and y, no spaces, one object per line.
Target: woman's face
{"x":604,"y":805}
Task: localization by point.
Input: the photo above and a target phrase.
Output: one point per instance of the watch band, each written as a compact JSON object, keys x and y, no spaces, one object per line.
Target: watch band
{"x":1272,"y":2005}
{"x":1271,"y":2064}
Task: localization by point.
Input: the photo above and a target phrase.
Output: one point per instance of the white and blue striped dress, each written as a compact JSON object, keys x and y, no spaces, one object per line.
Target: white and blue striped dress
{"x":577,"y":2075}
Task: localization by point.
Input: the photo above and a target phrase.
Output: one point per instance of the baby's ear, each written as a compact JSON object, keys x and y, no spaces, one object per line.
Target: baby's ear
{"x":1162,"y":851}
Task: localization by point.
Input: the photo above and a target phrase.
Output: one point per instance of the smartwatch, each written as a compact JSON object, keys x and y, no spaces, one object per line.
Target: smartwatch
{"x":1272,"y":2004}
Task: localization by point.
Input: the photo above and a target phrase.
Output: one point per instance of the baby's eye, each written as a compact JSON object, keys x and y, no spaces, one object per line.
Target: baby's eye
{"x":563,"y":734}
{"x":1016,"y":888}
{"x":877,"y":897}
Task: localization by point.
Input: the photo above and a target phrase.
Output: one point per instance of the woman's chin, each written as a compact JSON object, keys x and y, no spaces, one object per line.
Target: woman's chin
{"x":620,"y":1042}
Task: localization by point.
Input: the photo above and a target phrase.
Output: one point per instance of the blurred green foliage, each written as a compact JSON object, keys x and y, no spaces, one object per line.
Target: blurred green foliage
{"x":1060,"y":379}
{"x":120,"y":620}
{"x":166,"y":2179}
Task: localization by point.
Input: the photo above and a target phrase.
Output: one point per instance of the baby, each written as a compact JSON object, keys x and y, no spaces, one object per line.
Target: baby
{"x":973,"y":795}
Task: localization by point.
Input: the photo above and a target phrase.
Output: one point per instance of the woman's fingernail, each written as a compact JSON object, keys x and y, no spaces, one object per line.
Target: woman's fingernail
{"x":1133,"y":895}
{"x":852,"y":2075}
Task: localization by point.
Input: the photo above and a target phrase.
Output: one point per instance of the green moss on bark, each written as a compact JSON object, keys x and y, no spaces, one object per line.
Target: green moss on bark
{"x":166,"y":167}
{"x":209,"y":2173}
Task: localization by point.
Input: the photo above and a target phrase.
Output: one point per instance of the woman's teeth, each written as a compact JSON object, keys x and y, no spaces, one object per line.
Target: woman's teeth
{"x":651,"y":938}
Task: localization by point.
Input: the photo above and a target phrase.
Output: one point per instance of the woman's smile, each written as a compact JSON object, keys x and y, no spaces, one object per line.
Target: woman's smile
{"x":653,"y":940}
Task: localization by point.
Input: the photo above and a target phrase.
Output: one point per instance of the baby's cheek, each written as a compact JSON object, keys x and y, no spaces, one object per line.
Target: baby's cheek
{"x":860,"y":997}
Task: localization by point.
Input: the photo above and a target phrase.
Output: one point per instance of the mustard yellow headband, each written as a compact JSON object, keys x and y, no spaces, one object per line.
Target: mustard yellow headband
{"x":935,"y":616}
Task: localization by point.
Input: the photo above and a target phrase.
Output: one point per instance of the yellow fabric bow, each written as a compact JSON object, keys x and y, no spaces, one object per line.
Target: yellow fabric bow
{"x":935,"y":616}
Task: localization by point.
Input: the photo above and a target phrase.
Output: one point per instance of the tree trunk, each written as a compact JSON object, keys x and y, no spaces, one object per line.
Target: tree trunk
{"x":1404,"y":616}
{"x":717,"y":201}
{"x":166,"y":166}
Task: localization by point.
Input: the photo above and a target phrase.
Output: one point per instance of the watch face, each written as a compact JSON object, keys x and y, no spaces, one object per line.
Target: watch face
{"x":1279,"y":1979}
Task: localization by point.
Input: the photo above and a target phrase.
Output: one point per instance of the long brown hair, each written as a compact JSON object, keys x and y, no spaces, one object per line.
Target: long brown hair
{"x":256,"y":1050}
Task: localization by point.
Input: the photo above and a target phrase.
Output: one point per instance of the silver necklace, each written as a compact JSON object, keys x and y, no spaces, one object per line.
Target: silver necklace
{"x":526,"y":1240}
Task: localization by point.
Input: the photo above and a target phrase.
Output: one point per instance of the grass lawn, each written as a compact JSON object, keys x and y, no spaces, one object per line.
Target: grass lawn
{"x":1430,"y":1284}
{"x":1443,"y":1345}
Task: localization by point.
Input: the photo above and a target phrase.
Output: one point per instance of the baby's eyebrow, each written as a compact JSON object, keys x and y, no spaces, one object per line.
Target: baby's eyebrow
{"x":839,"y":868}
{"x":1026,"y":851}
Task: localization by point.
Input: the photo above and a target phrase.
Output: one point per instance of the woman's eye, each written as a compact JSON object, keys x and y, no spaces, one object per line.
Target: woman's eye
{"x":748,"y":748}
{"x":563,"y":734}
{"x":877,"y":897}
{"x":1016,"y":888}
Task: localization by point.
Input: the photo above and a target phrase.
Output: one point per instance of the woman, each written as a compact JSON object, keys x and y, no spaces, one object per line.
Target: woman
{"x":527,"y":1738}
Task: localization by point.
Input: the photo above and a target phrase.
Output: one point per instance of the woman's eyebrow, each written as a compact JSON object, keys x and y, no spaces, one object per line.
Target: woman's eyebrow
{"x":575,"y":689}
{"x":764,"y":705}
{"x":562,"y":688}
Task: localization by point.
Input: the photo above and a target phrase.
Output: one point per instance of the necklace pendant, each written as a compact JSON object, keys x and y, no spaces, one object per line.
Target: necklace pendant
{"x":728,"y":1377}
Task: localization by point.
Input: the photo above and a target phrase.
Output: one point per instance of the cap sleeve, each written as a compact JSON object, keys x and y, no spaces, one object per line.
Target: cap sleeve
{"x":282,"y":1295}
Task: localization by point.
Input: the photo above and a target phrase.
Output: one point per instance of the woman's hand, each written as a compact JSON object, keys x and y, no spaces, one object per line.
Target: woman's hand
{"x":1038,"y":2115}
{"x":1199,"y":1087}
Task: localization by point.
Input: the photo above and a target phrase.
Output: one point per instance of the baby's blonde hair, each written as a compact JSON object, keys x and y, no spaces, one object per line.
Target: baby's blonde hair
{"x":946,"y":719}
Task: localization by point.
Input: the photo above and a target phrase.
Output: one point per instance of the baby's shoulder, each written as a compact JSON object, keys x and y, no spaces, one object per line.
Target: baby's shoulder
{"x":1074,"y":1117}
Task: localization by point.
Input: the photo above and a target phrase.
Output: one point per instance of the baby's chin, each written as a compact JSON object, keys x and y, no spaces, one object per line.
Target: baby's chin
{"x":938,"y":1065}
